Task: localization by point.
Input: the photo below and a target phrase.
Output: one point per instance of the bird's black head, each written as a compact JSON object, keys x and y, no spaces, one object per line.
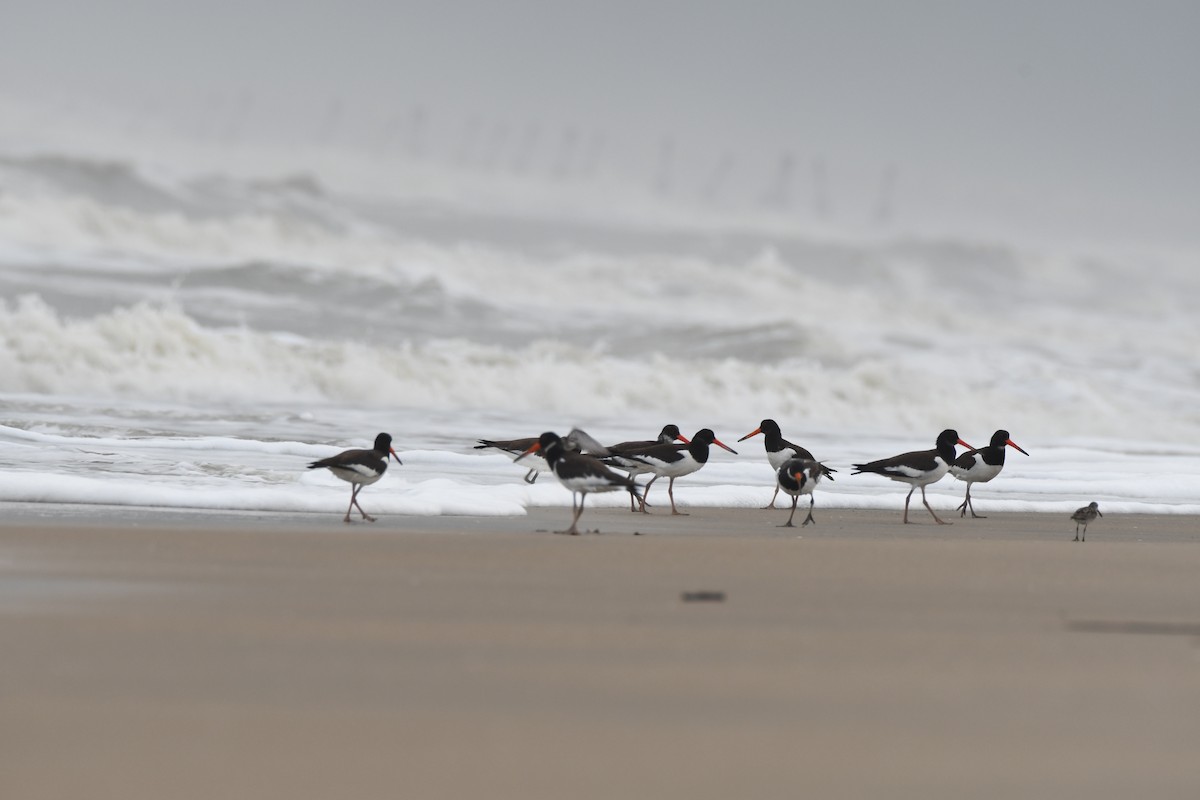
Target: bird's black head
{"x":383,"y":446}
{"x":553,"y":447}
{"x":769,"y":427}
{"x":1000,"y":440}
{"x":948,"y":438}
{"x":704,"y":437}
{"x":670,"y":433}
{"x":549,"y":444}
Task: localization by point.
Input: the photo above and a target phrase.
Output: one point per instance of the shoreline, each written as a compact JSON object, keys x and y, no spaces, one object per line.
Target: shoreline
{"x":699,"y":522}
{"x":198,"y":655}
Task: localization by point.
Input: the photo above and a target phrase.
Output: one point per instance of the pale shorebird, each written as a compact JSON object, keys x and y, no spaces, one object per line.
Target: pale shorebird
{"x":1083,"y":516}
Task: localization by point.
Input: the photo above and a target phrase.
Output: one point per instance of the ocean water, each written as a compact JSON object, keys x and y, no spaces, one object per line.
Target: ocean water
{"x":192,"y":338}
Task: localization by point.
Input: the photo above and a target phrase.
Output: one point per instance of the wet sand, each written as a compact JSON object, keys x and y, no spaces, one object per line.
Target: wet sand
{"x":195,"y":655}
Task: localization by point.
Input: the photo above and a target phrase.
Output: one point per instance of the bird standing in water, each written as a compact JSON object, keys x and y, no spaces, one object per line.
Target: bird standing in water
{"x":673,"y":460}
{"x":780,"y":450}
{"x":578,"y":472}
{"x":980,"y":466}
{"x":918,"y":468}
{"x":668,"y":435}
{"x":360,"y":468}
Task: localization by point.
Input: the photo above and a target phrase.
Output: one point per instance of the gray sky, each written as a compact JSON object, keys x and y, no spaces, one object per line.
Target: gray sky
{"x":1083,"y":111}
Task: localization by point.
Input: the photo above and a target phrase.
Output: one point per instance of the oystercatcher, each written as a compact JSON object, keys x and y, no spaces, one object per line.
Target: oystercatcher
{"x":980,"y":466}
{"x":780,"y":451}
{"x":578,"y":472}
{"x":360,"y":468}
{"x":799,"y":476}
{"x":669,"y":434}
{"x":1083,"y":516}
{"x":517,"y":447}
{"x":672,"y":460}
{"x":919,"y":468}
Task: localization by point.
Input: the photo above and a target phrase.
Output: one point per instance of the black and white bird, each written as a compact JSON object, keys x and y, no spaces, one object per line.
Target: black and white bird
{"x":1083,"y":516}
{"x":799,"y":476}
{"x":578,"y":472}
{"x":517,"y":447}
{"x":360,"y":468}
{"x":780,"y":451}
{"x":669,"y":434}
{"x":980,"y":466}
{"x":672,"y":460}
{"x":918,"y":468}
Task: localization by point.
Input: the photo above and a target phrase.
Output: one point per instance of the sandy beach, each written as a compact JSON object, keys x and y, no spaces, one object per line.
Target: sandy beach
{"x":184,"y":655}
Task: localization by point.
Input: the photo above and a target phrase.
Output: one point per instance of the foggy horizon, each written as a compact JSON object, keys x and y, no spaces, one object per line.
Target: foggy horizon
{"x":1073,"y":118}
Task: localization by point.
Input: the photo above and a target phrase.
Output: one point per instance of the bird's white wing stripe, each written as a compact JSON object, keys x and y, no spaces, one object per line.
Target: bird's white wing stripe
{"x":907,"y":471}
{"x":589,"y":484}
{"x":360,"y":469}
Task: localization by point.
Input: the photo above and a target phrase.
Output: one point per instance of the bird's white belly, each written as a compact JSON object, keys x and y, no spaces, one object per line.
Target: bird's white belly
{"x":634,"y":468}
{"x":780,"y":457}
{"x":918,"y":477}
{"x":684,"y":466}
{"x":978,"y":473}
{"x":589,"y":484}
{"x":532,"y":461}
{"x":363,"y":475}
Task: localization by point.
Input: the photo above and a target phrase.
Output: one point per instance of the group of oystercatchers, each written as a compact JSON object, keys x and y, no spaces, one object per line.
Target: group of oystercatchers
{"x":592,"y":471}
{"x":584,"y":466}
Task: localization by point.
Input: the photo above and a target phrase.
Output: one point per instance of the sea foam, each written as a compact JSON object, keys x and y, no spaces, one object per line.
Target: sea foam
{"x":149,"y":319}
